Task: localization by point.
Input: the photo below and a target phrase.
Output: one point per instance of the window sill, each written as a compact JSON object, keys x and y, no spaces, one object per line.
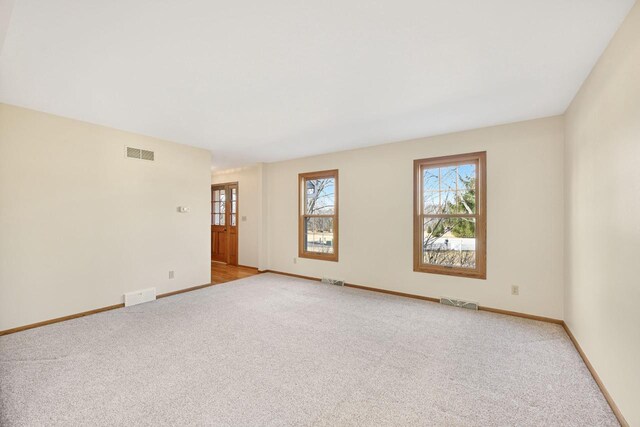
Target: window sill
{"x":474,"y":274}
{"x":331,"y":257}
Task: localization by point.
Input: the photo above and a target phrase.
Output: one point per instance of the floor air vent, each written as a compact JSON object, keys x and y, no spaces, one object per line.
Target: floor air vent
{"x":333,"y":281}
{"x":138,"y":297}
{"x":459,"y":303}
{"x":138,"y":153}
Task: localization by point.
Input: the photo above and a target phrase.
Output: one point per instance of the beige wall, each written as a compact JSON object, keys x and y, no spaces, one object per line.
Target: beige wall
{"x":602,"y":179}
{"x":249,"y":181}
{"x":80,"y":224}
{"x":525,"y":216}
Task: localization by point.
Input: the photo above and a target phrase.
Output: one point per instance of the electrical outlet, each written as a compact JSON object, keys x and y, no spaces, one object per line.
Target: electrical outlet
{"x":171,"y":274}
{"x":295,"y":260}
{"x":515,"y":290}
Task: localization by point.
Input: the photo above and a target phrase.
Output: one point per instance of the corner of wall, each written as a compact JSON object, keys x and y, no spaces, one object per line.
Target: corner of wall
{"x":263,"y":236}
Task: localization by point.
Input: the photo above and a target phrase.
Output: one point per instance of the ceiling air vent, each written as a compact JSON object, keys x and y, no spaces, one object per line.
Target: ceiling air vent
{"x":137,"y":153}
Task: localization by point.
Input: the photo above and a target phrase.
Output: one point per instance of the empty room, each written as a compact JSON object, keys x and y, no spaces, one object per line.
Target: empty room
{"x":334,"y":213}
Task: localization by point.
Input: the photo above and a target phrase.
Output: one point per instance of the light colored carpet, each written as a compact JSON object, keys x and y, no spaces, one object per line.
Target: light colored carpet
{"x":273,"y":350}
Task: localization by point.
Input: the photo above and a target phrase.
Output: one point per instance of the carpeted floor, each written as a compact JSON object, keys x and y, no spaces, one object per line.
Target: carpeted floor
{"x":273,"y":350}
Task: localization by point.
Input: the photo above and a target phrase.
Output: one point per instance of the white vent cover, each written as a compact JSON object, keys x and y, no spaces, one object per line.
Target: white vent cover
{"x":138,"y":297}
{"x":138,"y":153}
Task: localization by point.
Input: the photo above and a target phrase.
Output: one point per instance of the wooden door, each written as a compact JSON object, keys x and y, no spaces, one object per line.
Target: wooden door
{"x":224,"y":223}
{"x":218,"y":223}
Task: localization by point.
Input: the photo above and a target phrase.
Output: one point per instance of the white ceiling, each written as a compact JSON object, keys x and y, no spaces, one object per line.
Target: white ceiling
{"x":256,"y":80}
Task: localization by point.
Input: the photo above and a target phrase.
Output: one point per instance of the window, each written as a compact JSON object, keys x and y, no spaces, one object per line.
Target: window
{"x":318,"y":211}
{"x":450,"y":215}
{"x":219,"y":204}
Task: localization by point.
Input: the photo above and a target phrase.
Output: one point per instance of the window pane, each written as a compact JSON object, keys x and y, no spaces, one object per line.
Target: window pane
{"x":466,"y":176}
{"x":448,"y":178}
{"x":432,"y":202}
{"x":318,"y":235}
{"x":466,"y":188}
{"x":465,"y":202}
{"x":450,"y":190}
{"x":431,"y":179}
{"x":449,"y":202}
{"x":449,"y":242}
{"x":233,"y":220}
{"x":319,"y":196}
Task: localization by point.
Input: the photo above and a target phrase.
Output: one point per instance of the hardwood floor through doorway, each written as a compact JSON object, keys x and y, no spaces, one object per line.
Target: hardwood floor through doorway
{"x":221,"y":272}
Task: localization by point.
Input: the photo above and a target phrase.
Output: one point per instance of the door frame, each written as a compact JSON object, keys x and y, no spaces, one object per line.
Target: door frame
{"x":228,"y":220}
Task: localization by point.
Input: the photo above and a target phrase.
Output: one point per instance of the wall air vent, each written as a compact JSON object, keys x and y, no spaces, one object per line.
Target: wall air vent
{"x":336,"y":282}
{"x":138,"y":297}
{"x":459,"y":303}
{"x":146,"y":155}
{"x":137,"y":153}
{"x":133,"y":153}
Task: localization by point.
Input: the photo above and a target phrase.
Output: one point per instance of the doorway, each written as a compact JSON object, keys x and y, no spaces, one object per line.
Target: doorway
{"x":224,"y":223}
